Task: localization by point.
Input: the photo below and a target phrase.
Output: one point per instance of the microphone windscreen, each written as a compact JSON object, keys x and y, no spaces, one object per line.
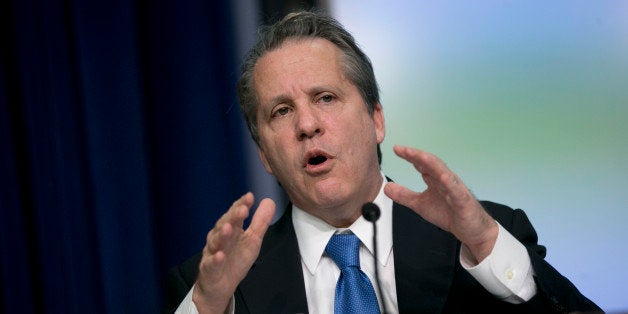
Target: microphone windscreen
{"x":370,"y":211}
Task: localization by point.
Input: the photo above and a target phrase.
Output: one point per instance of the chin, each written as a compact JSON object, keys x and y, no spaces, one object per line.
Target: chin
{"x":325,"y":193}
{"x":330,"y":195}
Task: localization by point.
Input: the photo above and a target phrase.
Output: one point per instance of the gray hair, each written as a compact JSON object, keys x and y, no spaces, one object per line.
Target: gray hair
{"x":357,"y":66}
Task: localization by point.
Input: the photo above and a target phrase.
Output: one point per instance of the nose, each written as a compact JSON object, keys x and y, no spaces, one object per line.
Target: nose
{"x":308,"y":123}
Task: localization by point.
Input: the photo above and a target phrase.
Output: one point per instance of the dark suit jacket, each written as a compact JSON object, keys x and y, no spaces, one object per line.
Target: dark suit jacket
{"x":428,"y":273}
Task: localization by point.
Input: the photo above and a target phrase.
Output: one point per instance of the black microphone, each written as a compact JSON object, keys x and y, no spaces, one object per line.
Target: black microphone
{"x":371,"y":212}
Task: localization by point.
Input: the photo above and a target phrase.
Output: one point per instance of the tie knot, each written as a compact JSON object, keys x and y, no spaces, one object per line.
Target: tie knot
{"x":344,"y":250}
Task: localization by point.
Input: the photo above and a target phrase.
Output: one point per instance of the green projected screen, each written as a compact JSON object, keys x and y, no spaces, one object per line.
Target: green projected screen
{"x":528,"y":102}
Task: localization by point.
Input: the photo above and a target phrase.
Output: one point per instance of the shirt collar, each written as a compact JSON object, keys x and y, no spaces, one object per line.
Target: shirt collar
{"x":313,"y":233}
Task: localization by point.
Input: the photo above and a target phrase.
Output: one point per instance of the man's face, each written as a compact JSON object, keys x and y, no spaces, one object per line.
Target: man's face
{"x":316,"y":135}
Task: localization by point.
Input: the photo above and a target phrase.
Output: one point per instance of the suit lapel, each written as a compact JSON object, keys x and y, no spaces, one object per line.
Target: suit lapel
{"x":425,"y":258}
{"x":275,"y":282}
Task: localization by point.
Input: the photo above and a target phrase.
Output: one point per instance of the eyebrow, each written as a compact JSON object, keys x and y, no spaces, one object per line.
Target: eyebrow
{"x":284,"y":98}
{"x":325,"y":88}
{"x":280,"y":99}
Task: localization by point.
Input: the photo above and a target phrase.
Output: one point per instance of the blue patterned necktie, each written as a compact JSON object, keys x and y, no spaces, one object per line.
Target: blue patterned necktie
{"x":354,"y":291}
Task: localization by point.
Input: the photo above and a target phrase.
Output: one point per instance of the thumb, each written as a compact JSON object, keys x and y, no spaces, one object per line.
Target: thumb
{"x":263,"y":217}
{"x":401,"y":194}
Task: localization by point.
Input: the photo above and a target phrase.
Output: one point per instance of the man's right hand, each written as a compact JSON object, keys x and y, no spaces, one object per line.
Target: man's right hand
{"x":230,"y":252}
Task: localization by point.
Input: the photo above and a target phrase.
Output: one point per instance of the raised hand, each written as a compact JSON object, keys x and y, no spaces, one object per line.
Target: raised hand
{"x":447,"y":202}
{"x":229,"y":253}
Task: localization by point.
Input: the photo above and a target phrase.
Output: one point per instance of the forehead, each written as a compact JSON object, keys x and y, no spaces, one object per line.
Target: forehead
{"x":298,"y":63}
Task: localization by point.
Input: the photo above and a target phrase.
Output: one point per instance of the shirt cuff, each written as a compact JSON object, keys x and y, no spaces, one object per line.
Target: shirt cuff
{"x":187,"y":306}
{"x":507,"y":272}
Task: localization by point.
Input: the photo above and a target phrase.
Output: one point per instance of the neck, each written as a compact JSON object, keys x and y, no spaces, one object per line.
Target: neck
{"x":343,"y":215}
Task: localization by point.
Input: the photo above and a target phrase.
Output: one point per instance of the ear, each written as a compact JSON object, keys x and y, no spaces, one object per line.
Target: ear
{"x":380,"y":124}
{"x":264,"y":160}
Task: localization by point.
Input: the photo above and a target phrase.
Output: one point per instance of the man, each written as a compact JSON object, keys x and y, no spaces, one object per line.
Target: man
{"x":310,"y":99}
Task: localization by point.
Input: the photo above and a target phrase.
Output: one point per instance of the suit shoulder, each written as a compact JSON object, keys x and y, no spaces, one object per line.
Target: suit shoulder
{"x":496,"y":208}
{"x":505,"y":215}
{"x":187,"y":270}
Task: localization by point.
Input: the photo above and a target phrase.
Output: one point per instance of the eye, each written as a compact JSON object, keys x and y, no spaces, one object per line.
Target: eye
{"x":281,"y":111}
{"x":326,"y":98}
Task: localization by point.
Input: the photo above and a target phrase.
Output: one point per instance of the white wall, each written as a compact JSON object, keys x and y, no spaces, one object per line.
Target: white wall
{"x":528,"y":102}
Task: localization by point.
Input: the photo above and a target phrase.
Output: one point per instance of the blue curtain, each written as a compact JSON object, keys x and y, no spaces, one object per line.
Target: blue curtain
{"x":120,"y":145}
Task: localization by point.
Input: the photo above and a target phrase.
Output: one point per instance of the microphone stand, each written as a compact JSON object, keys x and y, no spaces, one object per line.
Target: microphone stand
{"x":371,"y":212}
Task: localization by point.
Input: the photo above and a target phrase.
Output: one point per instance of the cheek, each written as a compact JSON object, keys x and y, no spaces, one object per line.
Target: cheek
{"x":367,"y":137}
{"x":364,"y":131}
{"x":358,"y":138}
{"x":278,"y":153}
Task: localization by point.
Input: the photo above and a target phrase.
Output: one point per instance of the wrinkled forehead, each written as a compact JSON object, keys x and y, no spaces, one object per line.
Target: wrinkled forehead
{"x":297,"y":63}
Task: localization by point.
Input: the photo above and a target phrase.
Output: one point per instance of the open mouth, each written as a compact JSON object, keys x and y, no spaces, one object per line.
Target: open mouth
{"x":316,"y":160}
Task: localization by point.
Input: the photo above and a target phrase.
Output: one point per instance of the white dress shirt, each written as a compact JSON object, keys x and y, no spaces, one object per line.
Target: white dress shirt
{"x":506,"y":272}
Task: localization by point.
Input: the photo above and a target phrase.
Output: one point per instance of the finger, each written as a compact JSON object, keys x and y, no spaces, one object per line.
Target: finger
{"x":233,"y":218}
{"x":424,"y":162}
{"x":211,"y":266}
{"x":262,"y":218}
{"x":412,"y":155}
{"x":239,"y":210}
{"x":435,"y":172}
{"x":402,"y":194}
{"x":212,"y":262}
{"x":218,"y":237}
{"x":233,"y":229}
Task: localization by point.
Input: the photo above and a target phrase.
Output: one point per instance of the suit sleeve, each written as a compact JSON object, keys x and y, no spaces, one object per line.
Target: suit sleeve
{"x":554,"y":291}
{"x":179,"y":281}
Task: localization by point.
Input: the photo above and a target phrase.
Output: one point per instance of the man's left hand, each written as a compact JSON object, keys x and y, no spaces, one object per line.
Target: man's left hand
{"x":447,"y":202}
